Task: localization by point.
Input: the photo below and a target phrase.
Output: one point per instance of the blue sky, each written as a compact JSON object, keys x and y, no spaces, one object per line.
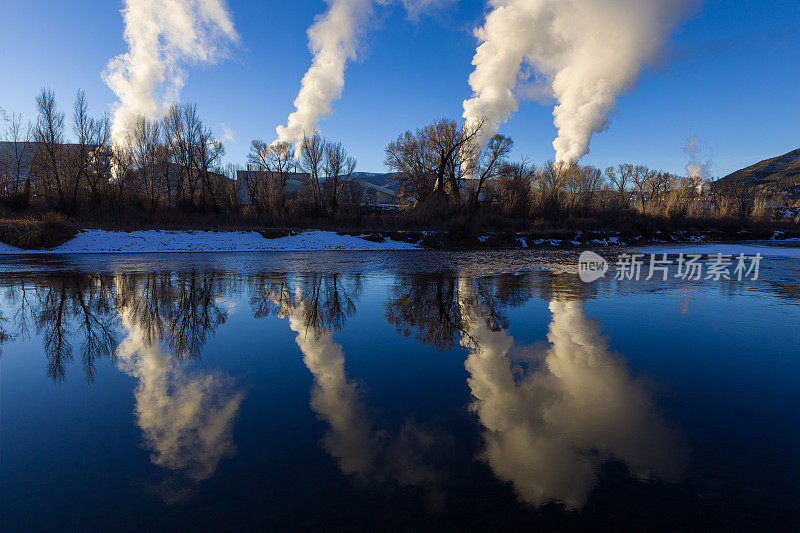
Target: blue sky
{"x":730,"y":76}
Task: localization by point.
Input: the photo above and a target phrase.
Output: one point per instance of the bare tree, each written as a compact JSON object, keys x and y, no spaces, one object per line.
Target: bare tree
{"x":582,"y":185}
{"x":620,"y":177}
{"x":487,"y":165}
{"x":14,"y":168}
{"x":312,"y":155}
{"x":452,"y":147}
{"x":270,"y":166}
{"x":98,"y":176}
{"x":87,"y":159}
{"x":433,"y":161}
{"x":182,"y":129}
{"x":408,"y":156}
{"x":642,"y":178}
{"x":549,"y":186}
{"x":49,"y":136}
{"x":208,"y":156}
{"x":144,"y":159}
{"x":338,"y":168}
{"x":514,"y":189}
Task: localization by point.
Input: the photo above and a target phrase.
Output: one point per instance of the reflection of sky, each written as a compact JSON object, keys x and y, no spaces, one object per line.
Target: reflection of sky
{"x":334,"y":398}
{"x":577,"y":407}
{"x":726,"y":374}
{"x":360,"y":450}
{"x":186,"y":418}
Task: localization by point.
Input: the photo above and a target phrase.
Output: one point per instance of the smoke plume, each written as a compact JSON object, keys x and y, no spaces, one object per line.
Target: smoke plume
{"x":162,"y":37}
{"x":333,"y":40}
{"x":696,"y":168}
{"x":585,"y":53}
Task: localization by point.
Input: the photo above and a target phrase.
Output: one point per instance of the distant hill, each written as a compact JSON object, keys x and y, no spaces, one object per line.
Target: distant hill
{"x":381,"y":179}
{"x":780,"y":173}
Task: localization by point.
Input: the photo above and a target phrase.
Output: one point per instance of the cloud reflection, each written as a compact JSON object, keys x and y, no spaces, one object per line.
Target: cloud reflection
{"x":186,"y":418}
{"x":547,"y":430}
{"x":370,"y":454}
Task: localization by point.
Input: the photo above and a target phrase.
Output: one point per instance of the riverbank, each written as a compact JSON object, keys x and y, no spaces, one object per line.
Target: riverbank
{"x":162,"y":241}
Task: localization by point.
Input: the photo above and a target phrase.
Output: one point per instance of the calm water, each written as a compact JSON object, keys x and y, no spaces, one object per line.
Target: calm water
{"x":405,"y":390}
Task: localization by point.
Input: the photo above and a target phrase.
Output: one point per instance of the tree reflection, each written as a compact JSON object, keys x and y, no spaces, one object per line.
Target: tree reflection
{"x":73,"y":305}
{"x":427,"y":305}
{"x":186,"y":417}
{"x":5,"y":335}
{"x":181,"y":308}
{"x":75,"y":312}
{"x":326,"y":300}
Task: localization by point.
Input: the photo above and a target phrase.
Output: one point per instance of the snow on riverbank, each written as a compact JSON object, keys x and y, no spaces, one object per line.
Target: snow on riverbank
{"x":155,"y":241}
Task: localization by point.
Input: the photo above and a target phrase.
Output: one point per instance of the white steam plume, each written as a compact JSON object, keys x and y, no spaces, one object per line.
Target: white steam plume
{"x":359,"y":449}
{"x":162,"y":37}
{"x":697,"y":169}
{"x":584,"y":52}
{"x":333,"y":39}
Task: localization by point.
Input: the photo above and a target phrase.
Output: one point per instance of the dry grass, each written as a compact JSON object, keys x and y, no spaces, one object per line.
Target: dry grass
{"x":36,"y":234}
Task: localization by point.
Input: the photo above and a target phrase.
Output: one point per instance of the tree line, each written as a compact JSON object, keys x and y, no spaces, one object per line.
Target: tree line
{"x":176,"y":163}
{"x":439,"y":170}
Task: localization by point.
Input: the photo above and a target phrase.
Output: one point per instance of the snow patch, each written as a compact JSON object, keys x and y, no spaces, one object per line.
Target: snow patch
{"x":158,"y":241}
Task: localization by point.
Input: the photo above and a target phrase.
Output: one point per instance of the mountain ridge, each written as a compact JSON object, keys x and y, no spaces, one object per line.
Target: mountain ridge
{"x":780,"y":173}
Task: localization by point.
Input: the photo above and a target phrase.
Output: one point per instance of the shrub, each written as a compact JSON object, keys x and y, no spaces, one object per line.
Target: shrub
{"x":32,"y":234}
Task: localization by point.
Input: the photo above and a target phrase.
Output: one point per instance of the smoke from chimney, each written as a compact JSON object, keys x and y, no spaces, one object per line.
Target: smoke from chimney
{"x":584,"y":52}
{"x":163,"y":36}
{"x":333,"y":40}
{"x":696,"y":169}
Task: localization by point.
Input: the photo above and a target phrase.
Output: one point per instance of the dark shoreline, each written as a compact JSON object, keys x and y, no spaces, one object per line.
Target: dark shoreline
{"x":444,"y":240}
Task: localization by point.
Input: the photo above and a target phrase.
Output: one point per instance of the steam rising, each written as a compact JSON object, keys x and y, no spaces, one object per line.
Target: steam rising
{"x":333,"y":40}
{"x":548,"y":432}
{"x":696,"y":168}
{"x":163,"y":36}
{"x":585,"y":53}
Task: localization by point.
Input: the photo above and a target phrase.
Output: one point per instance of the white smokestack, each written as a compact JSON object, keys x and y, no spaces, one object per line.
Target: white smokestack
{"x":333,"y":39}
{"x":586,"y":52}
{"x":162,"y":37}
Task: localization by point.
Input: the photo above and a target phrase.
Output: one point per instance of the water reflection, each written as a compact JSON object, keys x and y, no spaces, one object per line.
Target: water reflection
{"x":549,"y":415}
{"x":325,"y":301}
{"x":186,"y":417}
{"x":552,"y":414}
{"x":426,"y":305}
{"x":183,"y":309}
{"x":148,"y":323}
{"x":65,"y":308}
{"x":317,"y":306}
{"x":551,"y":424}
